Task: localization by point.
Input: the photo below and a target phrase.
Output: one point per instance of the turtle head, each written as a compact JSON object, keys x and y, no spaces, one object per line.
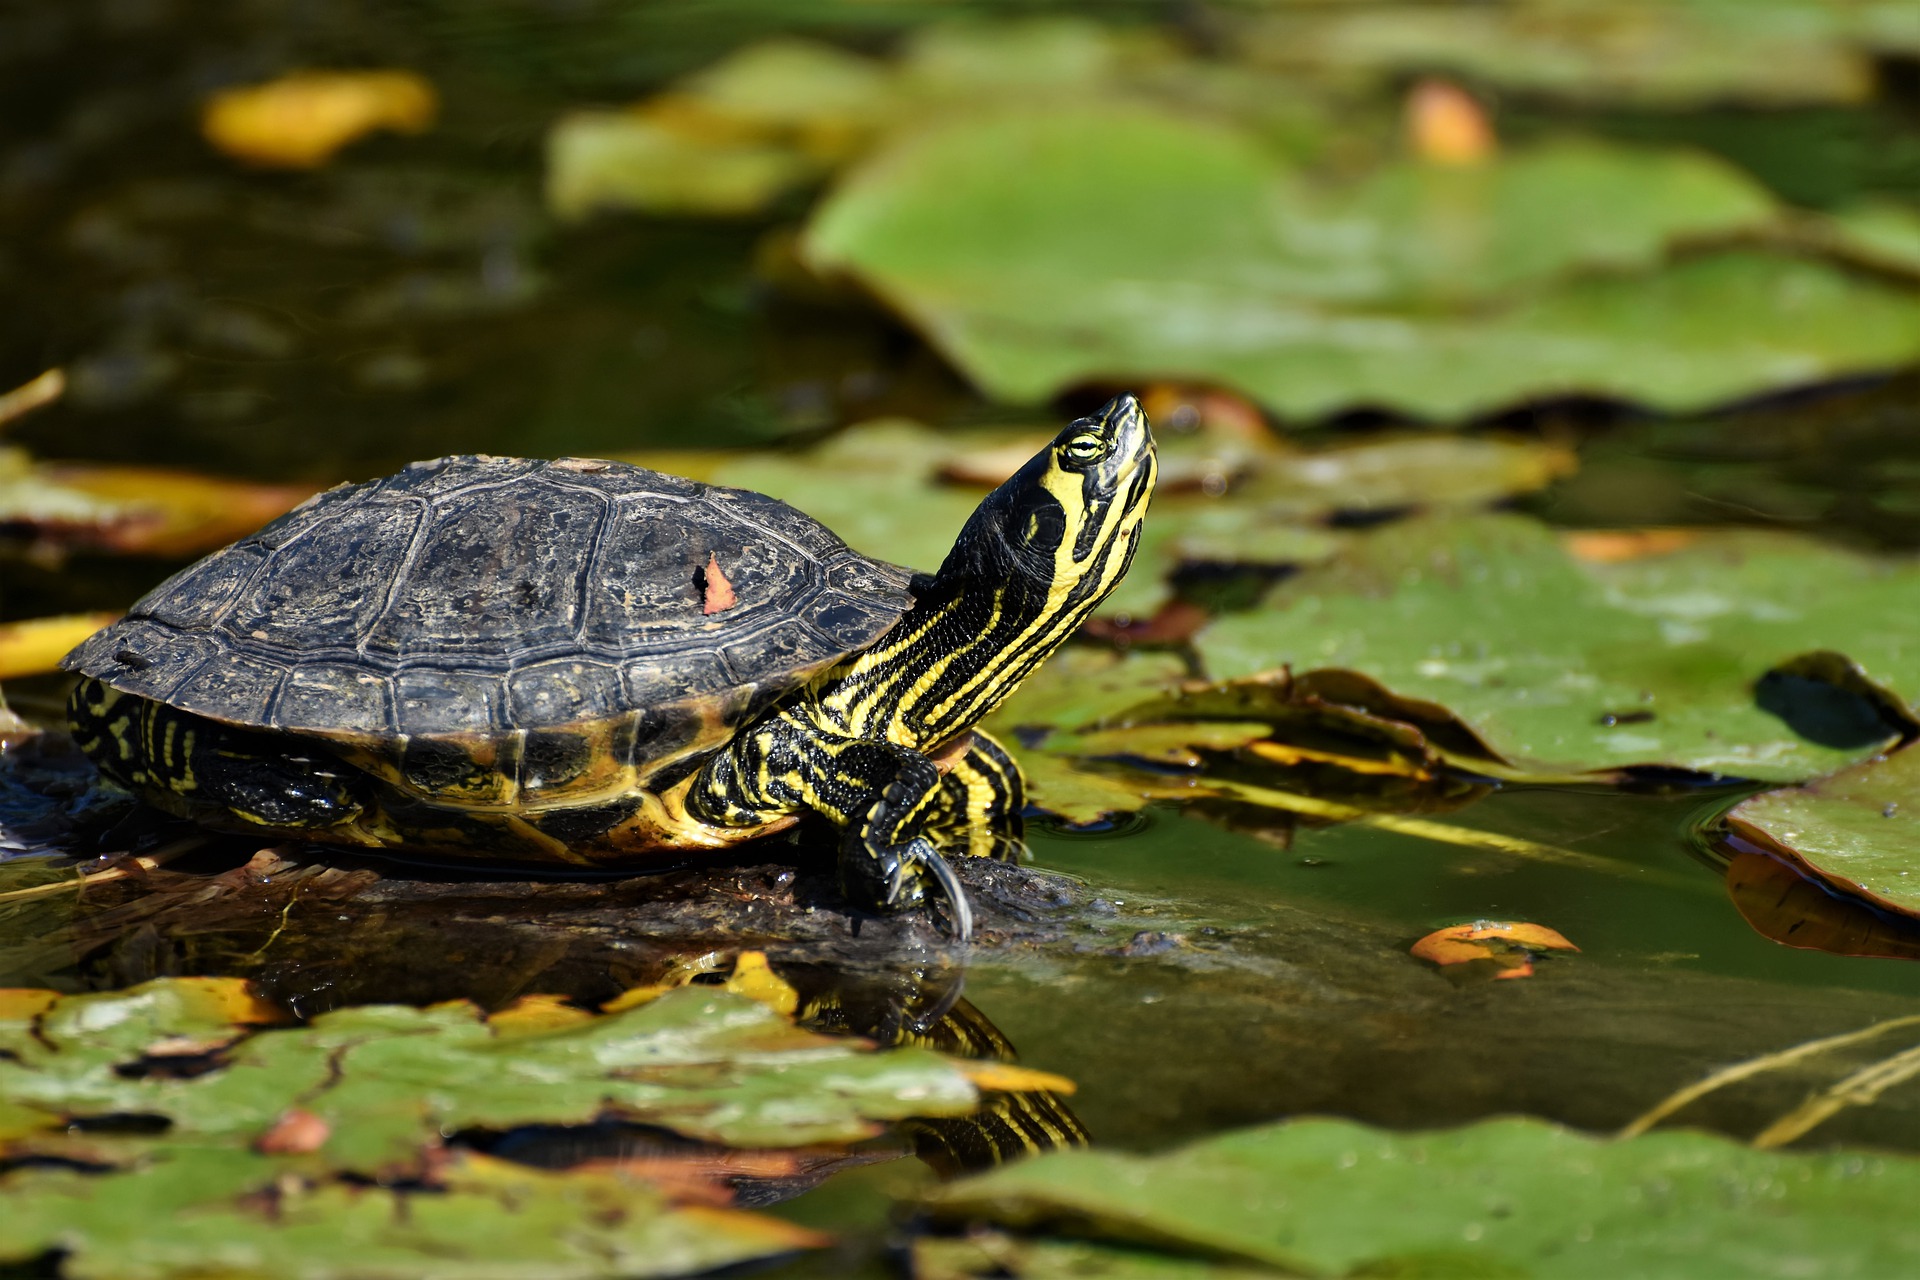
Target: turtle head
{"x":1063,"y":528}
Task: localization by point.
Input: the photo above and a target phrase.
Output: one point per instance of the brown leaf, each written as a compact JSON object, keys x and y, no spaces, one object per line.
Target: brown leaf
{"x":719,"y":595}
{"x":295,"y":1133}
{"x":1510,"y":945}
{"x":1793,"y":909}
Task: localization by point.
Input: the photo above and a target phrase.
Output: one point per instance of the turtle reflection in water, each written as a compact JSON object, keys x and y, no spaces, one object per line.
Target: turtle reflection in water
{"x":586,"y":662}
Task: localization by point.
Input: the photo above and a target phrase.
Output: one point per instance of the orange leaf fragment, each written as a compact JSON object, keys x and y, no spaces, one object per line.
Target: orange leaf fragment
{"x":1447,"y":125}
{"x":1611,"y":546}
{"x":300,"y":120}
{"x":1509,"y":944}
{"x":295,"y":1133}
{"x":719,"y":595}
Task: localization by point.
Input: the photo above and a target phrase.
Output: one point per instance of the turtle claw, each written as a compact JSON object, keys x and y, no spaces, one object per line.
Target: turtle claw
{"x":959,"y":910}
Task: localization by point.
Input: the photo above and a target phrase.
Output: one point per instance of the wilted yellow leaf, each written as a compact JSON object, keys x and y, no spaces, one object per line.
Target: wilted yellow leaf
{"x":531,"y":1015}
{"x":1005,"y":1077}
{"x":300,"y":120}
{"x":35,"y":646}
{"x":755,"y":979}
{"x":28,"y":396}
{"x":172,"y":513}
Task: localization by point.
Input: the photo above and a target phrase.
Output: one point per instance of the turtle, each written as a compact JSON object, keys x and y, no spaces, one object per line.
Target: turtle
{"x":589,"y":663}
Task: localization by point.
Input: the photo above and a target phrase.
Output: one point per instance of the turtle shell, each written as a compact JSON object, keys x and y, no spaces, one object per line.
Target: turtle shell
{"x":471,"y":598}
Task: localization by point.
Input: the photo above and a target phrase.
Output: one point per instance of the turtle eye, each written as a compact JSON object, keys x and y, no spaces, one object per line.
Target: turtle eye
{"x":1086,"y":448}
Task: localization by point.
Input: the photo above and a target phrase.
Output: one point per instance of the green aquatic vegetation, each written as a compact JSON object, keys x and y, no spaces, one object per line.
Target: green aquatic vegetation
{"x":1642,"y":52}
{"x":174,"y":1129}
{"x":1852,"y":829}
{"x":1502,"y":1197}
{"x":1561,"y":663}
{"x":1436,"y":291}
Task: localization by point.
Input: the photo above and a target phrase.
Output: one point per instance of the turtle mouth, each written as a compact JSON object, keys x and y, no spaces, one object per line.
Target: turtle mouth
{"x":1131,"y":458}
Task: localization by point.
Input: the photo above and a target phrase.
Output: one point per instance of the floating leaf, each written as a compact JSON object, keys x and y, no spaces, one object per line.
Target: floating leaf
{"x":299,"y":121}
{"x":194,"y":1211}
{"x":1510,"y":946}
{"x":1504,"y":1197}
{"x":1209,"y":262}
{"x":626,"y":160}
{"x":35,"y":646}
{"x":1767,"y":52}
{"x":875,"y":485}
{"x":390,"y":1082}
{"x":1560,"y":664}
{"x":136,"y":510}
{"x":1790,"y":905}
{"x":1853,"y":830}
{"x":1879,"y":233}
{"x":36,"y":394}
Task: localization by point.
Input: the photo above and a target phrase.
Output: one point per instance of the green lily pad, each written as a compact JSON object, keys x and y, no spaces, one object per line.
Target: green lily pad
{"x":191,"y":1211}
{"x":1641,"y":52}
{"x":1854,"y":830}
{"x":1501,"y":1198}
{"x":322,"y":1150}
{"x":389,"y":1082}
{"x":874,"y":484}
{"x":598,"y":160}
{"x":1563,"y":664}
{"x":1206,"y":260}
{"x":996,"y":1255}
{"x":1880,"y":233}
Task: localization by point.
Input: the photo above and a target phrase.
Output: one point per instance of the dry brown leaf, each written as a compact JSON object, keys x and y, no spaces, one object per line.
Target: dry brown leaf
{"x":1509,"y":944}
{"x":300,"y":120}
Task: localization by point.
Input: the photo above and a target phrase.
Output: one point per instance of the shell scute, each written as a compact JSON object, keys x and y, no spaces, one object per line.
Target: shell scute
{"x":562,"y":691}
{"x":433,"y":701}
{"x":495,"y":568}
{"x":322,"y":589}
{"x":233,"y":686}
{"x":315,"y":692}
{"x":194,"y":598}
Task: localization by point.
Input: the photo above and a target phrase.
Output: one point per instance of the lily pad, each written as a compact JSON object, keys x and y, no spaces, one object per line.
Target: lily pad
{"x":169,"y":1130}
{"x":190,"y":1211}
{"x":1209,"y":261}
{"x":1854,"y":830}
{"x":875,"y":485}
{"x":1880,"y":233}
{"x":1640,"y":52}
{"x":1561,"y":664}
{"x":1500,"y":1198}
